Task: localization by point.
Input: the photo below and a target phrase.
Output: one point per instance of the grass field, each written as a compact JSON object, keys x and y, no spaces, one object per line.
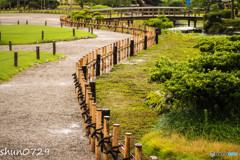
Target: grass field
{"x":25,"y":60}
{"x":123,"y":92}
{"x":29,"y":34}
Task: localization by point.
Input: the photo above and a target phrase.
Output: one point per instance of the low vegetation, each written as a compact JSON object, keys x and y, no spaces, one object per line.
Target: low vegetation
{"x":160,"y":22}
{"x":181,"y":133}
{"x":29,"y":34}
{"x":26,"y":59}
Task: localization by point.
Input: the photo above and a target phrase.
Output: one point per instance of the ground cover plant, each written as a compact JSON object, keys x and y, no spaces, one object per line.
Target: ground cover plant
{"x":26,"y":59}
{"x":29,"y":34}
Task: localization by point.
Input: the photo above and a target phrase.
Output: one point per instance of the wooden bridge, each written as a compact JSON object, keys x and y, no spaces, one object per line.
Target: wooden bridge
{"x":143,"y":13}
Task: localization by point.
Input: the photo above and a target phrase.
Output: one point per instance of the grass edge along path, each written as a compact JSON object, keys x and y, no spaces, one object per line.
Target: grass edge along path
{"x":26,"y":59}
{"x":32,"y":34}
{"x":123,"y":91}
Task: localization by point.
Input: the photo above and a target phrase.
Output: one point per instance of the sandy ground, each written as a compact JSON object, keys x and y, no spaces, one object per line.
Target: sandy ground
{"x":38,"y":109}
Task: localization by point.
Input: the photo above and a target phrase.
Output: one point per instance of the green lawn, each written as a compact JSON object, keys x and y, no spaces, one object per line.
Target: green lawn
{"x":29,"y":34}
{"x":26,"y":59}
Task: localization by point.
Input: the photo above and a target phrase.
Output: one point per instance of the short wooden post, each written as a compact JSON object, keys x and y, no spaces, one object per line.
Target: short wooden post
{"x":127,"y":145}
{"x":115,"y":55}
{"x":156,"y":35}
{"x":26,"y":22}
{"x":132,"y":48}
{"x":42,"y":35}
{"x":91,"y":30}
{"x":195,"y":23}
{"x":106,"y":131}
{"x":61,"y":24}
{"x":18,"y":22}
{"x":93,"y":110}
{"x":45,"y":23}
{"x":84,"y":69}
{"x":98,"y":65}
{"x":98,"y":126}
{"x":54,"y":47}
{"x":37,"y":52}
{"x":93,"y":89}
{"x":138,"y":151}
{"x":88,"y":28}
{"x":145,"y":43}
{"x":159,"y":31}
{"x":189,"y":22}
{"x":73,"y":31}
{"x":10,"y":45}
{"x":15,"y":59}
{"x":116,"y":139}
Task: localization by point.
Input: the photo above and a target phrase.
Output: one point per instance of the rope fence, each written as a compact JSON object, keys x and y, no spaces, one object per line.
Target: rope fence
{"x":97,"y":121}
{"x":37,"y":51}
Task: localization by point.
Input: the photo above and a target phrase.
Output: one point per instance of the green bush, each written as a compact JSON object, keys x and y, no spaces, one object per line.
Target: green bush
{"x":96,"y":14}
{"x":210,"y":81}
{"x":79,"y":16}
{"x":217,"y":22}
{"x":160,"y":22}
{"x":177,"y":4}
{"x":88,"y":17}
{"x":99,"y":18}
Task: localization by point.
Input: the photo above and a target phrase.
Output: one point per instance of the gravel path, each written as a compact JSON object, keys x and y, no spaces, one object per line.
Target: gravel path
{"x":38,"y":108}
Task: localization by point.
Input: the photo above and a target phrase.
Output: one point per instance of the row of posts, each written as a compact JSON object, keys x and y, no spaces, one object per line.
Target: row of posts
{"x":18,"y":22}
{"x":97,"y":123}
{"x":37,"y":52}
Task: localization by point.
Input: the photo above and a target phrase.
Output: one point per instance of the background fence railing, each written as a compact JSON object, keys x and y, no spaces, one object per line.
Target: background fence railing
{"x":100,"y":61}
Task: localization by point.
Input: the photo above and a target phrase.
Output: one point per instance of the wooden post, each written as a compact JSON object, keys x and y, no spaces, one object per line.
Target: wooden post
{"x":116,"y":138}
{"x":73,"y":31}
{"x":132,"y":48}
{"x":84,"y":69}
{"x":54,"y":47}
{"x":10,"y":45}
{"x":18,"y":22}
{"x":26,"y":22}
{"x":15,"y":59}
{"x":93,"y":89}
{"x":115,"y":55}
{"x":189,"y":23}
{"x":127,"y":145}
{"x":195,"y":23}
{"x":156,"y":35}
{"x":37,"y":52}
{"x":91,"y":30}
{"x":42,"y":35}
{"x":106,"y":131}
{"x":98,"y":126}
{"x":145,"y":43}
{"x":45,"y":23}
{"x":93,"y":110}
{"x":138,"y":151}
{"x":98,"y":65}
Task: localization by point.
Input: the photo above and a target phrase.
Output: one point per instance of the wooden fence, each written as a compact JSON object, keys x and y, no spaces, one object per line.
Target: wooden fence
{"x":97,"y":121}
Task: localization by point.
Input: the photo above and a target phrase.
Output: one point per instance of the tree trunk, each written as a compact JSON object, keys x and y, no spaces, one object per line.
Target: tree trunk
{"x":18,"y":4}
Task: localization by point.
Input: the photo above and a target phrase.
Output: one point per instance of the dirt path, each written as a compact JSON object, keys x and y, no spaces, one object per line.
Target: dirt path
{"x":38,"y":108}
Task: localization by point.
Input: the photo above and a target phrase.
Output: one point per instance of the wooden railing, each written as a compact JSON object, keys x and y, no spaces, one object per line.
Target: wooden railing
{"x":100,"y":61}
{"x":148,"y":11}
